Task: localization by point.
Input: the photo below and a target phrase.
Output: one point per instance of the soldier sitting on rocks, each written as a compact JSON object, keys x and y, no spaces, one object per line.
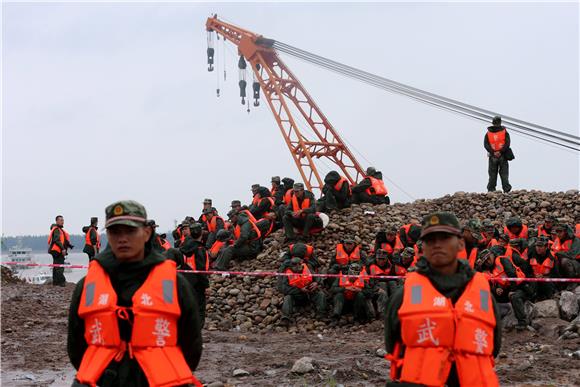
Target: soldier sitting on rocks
{"x":353,"y":292}
{"x":304,"y":252}
{"x":299,"y":286}
{"x":382,"y":288}
{"x":499,"y":268}
{"x":247,"y":243}
{"x":347,"y":252}
{"x":388,"y":240}
{"x":223,"y":241}
{"x":544,"y":265}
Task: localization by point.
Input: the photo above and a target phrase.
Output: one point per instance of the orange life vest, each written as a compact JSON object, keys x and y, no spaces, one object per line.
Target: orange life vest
{"x":496,"y":140}
{"x":191,"y":262}
{"x":377,"y":187}
{"x":302,"y":206}
{"x":559,"y":247}
{"x":400,"y":270}
{"x":338,"y":185}
{"x":250,"y":216}
{"x":577,"y":230}
{"x":238,"y":231}
{"x":343,"y":258}
{"x":523,"y":234}
{"x":215,"y":248}
{"x":274,"y":190}
{"x":212,"y":224}
{"x":499,"y":273}
{"x":309,"y":251}
{"x":472,"y":256}
{"x":288,"y":197}
{"x":376,"y":270}
{"x":359,"y":282}
{"x":542,"y":269}
{"x":542,"y":231}
{"x":256,"y":199}
{"x":88,"y":238}
{"x":388,"y":247}
{"x":163,"y":243}
{"x":437,"y":333}
{"x":492,"y":242}
{"x":300,"y":280}
{"x":154,"y":333}
{"x":63,"y":238}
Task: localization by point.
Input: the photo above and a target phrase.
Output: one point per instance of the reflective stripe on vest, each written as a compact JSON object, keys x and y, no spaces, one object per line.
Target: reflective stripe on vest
{"x":154,"y":333}
{"x":496,"y":140}
{"x":191,"y":261}
{"x":212,"y":224}
{"x":343,"y":258}
{"x":377,"y":187}
{"x":88,"y":238}
{"x":437,"y":333}
{"x":523,"y":234}
{"x":299,"y":280}
{"x":238,"y":231}
{"x":376,"y":270}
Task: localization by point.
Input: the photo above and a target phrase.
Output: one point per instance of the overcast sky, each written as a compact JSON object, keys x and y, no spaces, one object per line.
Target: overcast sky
{"x":108,"y":102}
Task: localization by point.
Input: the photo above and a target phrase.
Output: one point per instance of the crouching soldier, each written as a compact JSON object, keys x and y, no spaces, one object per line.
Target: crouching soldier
{"x":299,"y":287}
{"x":353,"y":291}
{"x":133,"y":320}
{"x":223,"y":241}
{"x":499,"y":269}
{"x":543,"y":265}
{"x":382,"y":287}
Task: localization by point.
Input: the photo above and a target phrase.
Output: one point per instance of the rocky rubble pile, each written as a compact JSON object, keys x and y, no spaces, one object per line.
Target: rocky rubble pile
{"x":8,"y":276}
{"x":253,"y":303}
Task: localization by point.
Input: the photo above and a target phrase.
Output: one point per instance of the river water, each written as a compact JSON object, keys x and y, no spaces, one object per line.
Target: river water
{"x":71,"y":275}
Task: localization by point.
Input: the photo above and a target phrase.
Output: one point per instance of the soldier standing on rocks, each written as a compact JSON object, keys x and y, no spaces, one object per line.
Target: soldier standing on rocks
{"x":300,"y":287}
{"x":58,"y":245}
{"x":92,"y":239}
{"x":497,"y":144}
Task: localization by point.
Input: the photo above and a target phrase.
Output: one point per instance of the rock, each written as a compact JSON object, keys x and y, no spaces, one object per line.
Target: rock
{"x":547,"y":308}
{"x":238,"y":372}
{"x":569,"y":307}
{"x":303,"y":365}
{"x":381,"y":352}
{"x":234,"y":292}
{"x":544,"y":204}
{"x":215,"y":384}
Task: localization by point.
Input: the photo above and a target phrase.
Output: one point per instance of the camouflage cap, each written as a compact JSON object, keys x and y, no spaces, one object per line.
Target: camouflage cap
{"x":560,"y":227}
{"x":355,"y":266}
{"x":408,"y":252}
{"x":295,"y":261}
{"x":483,"y":256}
{"x":473,"y":225}
{"x":514,"y":221}
{"x":381,"y":254}
{"x":223,"y":235}
{"x":236,"y":203}
{"x":440,"y":222}
{"x":371,"y":171}
{"x":487,"y":224}
{"x":151,"y":223}
{"x":504,"y":237}
{"x":298,"y":187}
{"x":207,"y":201}
{"x":125,"y":212}
{"x":276,"y":179}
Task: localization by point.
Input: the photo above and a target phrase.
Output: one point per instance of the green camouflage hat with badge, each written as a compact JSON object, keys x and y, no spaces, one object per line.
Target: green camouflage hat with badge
{"x":440,"y":222}
{"x":126,"y":212}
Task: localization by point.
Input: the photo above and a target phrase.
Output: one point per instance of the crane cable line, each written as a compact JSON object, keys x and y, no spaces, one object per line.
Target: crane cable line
{"x":453,"y":106}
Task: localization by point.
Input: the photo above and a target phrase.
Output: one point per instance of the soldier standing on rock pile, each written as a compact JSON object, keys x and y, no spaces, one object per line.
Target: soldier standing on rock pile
{"x":300,"y":287}
{"x":133,"y":320}
{"x":497,"y":144}
{"x":92,"y":239}
{"x":444,"y":308}
{"x":58,"y":245}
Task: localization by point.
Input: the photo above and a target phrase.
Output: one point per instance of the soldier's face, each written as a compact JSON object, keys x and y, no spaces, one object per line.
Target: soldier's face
{"x":391,"y":236}
{"x":541,"y":249}
{"x":441,"y":249}
{"x":60,"y":221}
{"x":186,"y":231}
{"x":128,"y":243}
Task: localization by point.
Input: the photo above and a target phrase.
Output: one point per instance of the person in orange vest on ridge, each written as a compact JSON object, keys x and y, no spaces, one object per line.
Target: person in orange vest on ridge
{"x":443,"y":326}
{"x":213,"y":223}
{"x":300,"y":213}
{"x":133,"y":320}
{"x":263,"y":203}
{"x":277,"y":191}
{"x":300,"y":287}
{"x":388,"y":240}
{"x":409,"y":234}
{"x":207,"y":205}
{"x":336,"y":193}
{"x":490,"y":234}
{"x":497,"y":144}
{"x":159,"y":241}
{"x":546,"y":228}
{"x":223,"y":241}
{"x":92,"y":239}
{"x":58,"y":245}
{"x":371,"y":189}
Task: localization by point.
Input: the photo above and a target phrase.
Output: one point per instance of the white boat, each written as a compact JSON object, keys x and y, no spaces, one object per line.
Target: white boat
{"x":21,"y":255}
{"x":67,"y":269}
{"x":38,"y":278}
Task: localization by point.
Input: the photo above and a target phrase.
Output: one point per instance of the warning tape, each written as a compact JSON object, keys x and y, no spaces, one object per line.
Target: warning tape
{"x":276,"y":274}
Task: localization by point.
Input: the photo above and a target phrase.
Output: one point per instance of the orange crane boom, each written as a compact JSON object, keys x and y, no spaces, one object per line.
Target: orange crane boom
{"x":287,"y":97}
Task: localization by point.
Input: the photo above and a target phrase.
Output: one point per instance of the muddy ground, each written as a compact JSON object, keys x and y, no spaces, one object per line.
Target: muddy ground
{"x":33,"y":333}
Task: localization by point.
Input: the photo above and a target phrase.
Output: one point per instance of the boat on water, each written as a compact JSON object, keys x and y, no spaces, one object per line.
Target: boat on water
{"x":20,"y":255}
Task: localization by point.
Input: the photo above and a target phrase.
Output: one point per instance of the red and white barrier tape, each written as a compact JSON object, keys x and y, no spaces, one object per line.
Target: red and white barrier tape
{"x":276,"y":274}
